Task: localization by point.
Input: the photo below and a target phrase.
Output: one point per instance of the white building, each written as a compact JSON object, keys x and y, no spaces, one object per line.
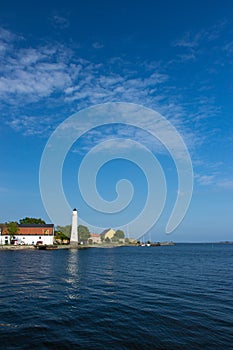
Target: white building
{"x":28,"y":234}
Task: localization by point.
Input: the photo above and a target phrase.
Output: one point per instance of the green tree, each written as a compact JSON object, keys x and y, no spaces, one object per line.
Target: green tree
{"x":12,"y":229}
{"x":115,"y":239}
{"x":119,"y":234}
{"x":65,"y":230}
{"x":107,"y":240}
{"x":29,"y":221}
{"x":83,"y":233}
{"x":60,"y":235}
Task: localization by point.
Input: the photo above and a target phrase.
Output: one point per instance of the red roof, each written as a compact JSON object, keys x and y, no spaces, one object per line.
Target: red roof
{"x":31,"y":230}
{"x":94,"y":235}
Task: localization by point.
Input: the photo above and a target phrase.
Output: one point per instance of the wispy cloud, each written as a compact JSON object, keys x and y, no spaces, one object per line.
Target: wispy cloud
{"x":6,"y":35}
{"x":59,"y":21}
{"x":188,"y":46}
{"x":226,"y":184}
{"x":193,"y":44}
{"x":43,"y":71}
{"x":205,"y":180}
{"x":95,"y":87}
{"x":53,"y":73}
{"x":97,"y":45}
{"x":214,"y":181}
{"x":31,"y":125}
{"x":117,"y":136}
{"x":188,"y":41}
{"x":33,"y":72}
{"x":228,"y":47}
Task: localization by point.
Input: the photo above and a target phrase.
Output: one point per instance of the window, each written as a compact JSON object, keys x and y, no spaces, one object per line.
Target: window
{"x":39,"y":237}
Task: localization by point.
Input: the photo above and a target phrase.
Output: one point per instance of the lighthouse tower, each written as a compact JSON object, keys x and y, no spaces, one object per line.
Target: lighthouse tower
{"x":74,"y":227}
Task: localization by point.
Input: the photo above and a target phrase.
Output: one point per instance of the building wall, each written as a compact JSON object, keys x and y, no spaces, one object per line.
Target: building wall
{"x":109,"y":234}
{"x":27,"y":239}
{"x":95,"y":238}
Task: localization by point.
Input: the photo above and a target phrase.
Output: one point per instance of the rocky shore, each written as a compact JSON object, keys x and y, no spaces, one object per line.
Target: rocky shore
{"x":16,"y":247}
{"x":73,"y":246}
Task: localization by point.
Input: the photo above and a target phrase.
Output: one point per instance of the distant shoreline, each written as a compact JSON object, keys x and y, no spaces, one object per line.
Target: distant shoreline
{"x":56,"y":247}
{"x":73,"y":246}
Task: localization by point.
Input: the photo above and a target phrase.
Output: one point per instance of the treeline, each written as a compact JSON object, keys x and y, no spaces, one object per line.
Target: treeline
{"x":63,"y":232}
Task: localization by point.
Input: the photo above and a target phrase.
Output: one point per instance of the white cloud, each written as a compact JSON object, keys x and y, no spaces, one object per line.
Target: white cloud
{"x":52,"y":73}
{"x":33,"y":73}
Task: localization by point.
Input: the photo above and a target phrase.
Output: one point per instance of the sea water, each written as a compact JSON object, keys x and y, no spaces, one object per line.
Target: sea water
{"x":170,"y":297}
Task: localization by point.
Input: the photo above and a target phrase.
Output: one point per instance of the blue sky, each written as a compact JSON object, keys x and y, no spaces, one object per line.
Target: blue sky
{"x":174,"y":57}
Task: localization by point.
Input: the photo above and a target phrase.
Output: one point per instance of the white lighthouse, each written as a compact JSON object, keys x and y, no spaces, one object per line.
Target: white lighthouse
{"x":74,"y":227}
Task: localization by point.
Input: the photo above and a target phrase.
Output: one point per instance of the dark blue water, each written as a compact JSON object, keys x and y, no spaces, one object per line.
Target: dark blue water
{"x":176,"y":297}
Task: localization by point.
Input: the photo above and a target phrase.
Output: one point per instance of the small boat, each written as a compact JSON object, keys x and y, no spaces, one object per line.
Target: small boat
{"x":45,"y":247}
{"x":40,"y":246}
{"x":51,"y":247}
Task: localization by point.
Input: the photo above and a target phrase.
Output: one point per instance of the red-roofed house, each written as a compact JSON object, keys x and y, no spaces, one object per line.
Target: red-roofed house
{"x":94,"y":238}
{"x":28,"y":234}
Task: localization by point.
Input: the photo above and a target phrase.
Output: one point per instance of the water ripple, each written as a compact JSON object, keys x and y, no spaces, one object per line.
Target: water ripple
{"x":124,"y":298}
